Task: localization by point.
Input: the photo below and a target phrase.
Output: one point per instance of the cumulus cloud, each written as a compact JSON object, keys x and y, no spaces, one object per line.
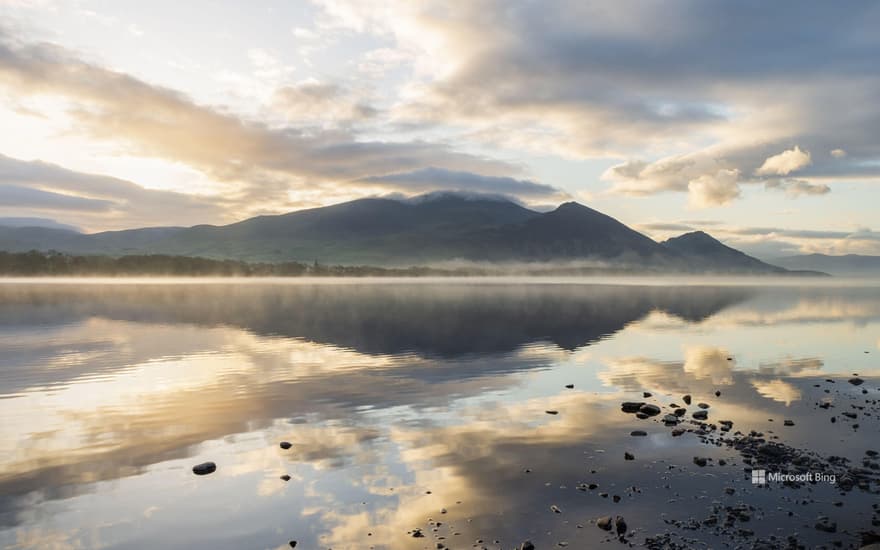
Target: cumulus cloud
{"x":785,"y":162}
{"x":714,"y":190}
{"x":838,"y":153}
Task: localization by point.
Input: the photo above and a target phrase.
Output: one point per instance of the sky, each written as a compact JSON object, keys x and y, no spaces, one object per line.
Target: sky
{"x":757,"y":122}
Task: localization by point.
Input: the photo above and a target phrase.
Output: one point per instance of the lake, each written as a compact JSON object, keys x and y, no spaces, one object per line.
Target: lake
{"x":422,"y":412}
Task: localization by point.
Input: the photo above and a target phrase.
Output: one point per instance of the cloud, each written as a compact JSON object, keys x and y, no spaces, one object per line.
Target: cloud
{"x":650,"y":82}
{"x":96,"y":201}
{"x":838,"y":153}
{"x":261,"y":164}
{"x":321,"y":101}
{"x":714,"y":190}
{"x":785,"y":163}
{"x":797,"y":188}
{"x":430,"y":178}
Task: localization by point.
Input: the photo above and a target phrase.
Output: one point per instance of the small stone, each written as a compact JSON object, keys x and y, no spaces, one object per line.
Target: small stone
{"x":670,"y":420}
{"x":604,"y":522}
{"x":630,"y":406}
{"x":292,"y":544}
{"x":856,"y":381}
{"x":687,"y":399}
{"x":638,"y":433}
{"x":703,"y":405}
{"x":527,"y":545}
{"x":628,"y":456}
{"x":649,"y":409}
{"x":285,"y":477}
{"x":699,"y":461}
{"x":555,"y":509}
{"x":552,"y":412}
{"x":680,"y":412}
{"x":788,"y":423}
{"x":570,"y":386}
{"x":701,"y":414}
{"x":729,"y":490}
{"x":717,"y":393}
{"x":620,"y":524}
{"x":204,"y":468}
{"x":285,"y":445}
{"x":646,"y":394}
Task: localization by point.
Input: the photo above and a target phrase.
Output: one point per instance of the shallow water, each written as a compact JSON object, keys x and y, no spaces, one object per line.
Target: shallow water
{"x":412,"y":402}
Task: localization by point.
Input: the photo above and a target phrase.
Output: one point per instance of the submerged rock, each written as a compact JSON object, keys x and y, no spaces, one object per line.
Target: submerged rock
{"x":604,"y":522}
{"x":631,"y":406}
{"x":204,"y":468}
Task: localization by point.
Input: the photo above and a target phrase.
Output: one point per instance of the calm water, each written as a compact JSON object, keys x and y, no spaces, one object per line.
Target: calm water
{"x":405,"y":399}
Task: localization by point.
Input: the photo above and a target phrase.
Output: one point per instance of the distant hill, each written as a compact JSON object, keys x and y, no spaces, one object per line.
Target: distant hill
{"x":850,"y":264}
{"x":437,"y":228}
{"x":707,"y":251}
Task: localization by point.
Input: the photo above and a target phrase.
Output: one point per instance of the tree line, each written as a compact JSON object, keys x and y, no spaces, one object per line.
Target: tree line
{"x":52,"y":263}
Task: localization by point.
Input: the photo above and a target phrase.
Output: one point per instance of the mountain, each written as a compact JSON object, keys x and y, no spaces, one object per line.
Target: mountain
{"x":712,"y":254}
{"x":435,"y":228}
{"x":850,"y":264}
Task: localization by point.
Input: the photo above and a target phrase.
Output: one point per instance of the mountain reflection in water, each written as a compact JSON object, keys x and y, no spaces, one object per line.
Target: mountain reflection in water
{"x":403,"y":399}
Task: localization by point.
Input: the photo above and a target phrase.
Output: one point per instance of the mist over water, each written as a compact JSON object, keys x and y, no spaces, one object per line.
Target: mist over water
{"x":409,"y":402}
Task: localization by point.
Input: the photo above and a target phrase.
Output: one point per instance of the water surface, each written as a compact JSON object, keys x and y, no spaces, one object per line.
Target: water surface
{"x":413,"y":402}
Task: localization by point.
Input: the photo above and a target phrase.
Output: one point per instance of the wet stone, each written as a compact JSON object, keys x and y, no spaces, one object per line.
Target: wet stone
{"x":649,"y":409}
{"x":638,"y":433}
{"x":631,"y":406}
{"x":285,"y":445}
{"x":686,"y":399}
{"x":605,"y":523}
{"x":204,"y":468}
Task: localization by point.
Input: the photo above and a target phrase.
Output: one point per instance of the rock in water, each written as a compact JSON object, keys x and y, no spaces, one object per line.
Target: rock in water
{"x":638,"y":433}
{"x":571,"y":387}
{"x":285,"y":445}
{"x":292,"y":544}
{"x":555,"y":509}
{"x":552,"y":412}
{"x":687,"y":399}
{"x":856,"y":381}
{"x":527,"y":545}
{"x":701,"y":414}
{"x":604,"y":523}
{"x":285,"y":477}
{"x":631,"y":406}
{"x":788,"y":423}
{"x":649,"y":409}
{"x":204,"y":468}
{"x":699,"y":461}
{"x":620,"y":524}
{"x":628,"y":456}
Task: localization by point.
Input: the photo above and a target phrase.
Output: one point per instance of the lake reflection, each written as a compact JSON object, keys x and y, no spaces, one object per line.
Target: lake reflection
{"x":405,"y":399}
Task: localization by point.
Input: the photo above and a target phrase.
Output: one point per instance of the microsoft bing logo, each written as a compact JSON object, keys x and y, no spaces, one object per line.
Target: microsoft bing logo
{"x":759,"y":477}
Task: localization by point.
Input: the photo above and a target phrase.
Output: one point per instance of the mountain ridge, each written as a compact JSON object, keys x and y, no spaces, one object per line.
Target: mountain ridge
{"x":440,"y":227}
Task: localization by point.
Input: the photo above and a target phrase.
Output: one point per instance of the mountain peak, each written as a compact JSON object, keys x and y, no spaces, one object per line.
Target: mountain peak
{"x":694,"y":237}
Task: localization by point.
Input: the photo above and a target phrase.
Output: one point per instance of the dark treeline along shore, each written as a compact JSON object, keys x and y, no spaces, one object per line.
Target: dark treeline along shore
{"x":52,"y":263}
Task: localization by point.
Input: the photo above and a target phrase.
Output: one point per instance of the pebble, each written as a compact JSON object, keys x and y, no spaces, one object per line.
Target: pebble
{"x":552,"y":412}
{"x":701,"y":414}
{"x":687,"y":399}
{"x":285,"y":445}
{"x":856,"y":381}
{"x":788,"y":423}
{"x":285,"y":477}
{"x":204,"y":468}
{"x":649,"y":409}
{"x":638,"y":433}
{"x":604,"y":522}
{"x":628,"y":456}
